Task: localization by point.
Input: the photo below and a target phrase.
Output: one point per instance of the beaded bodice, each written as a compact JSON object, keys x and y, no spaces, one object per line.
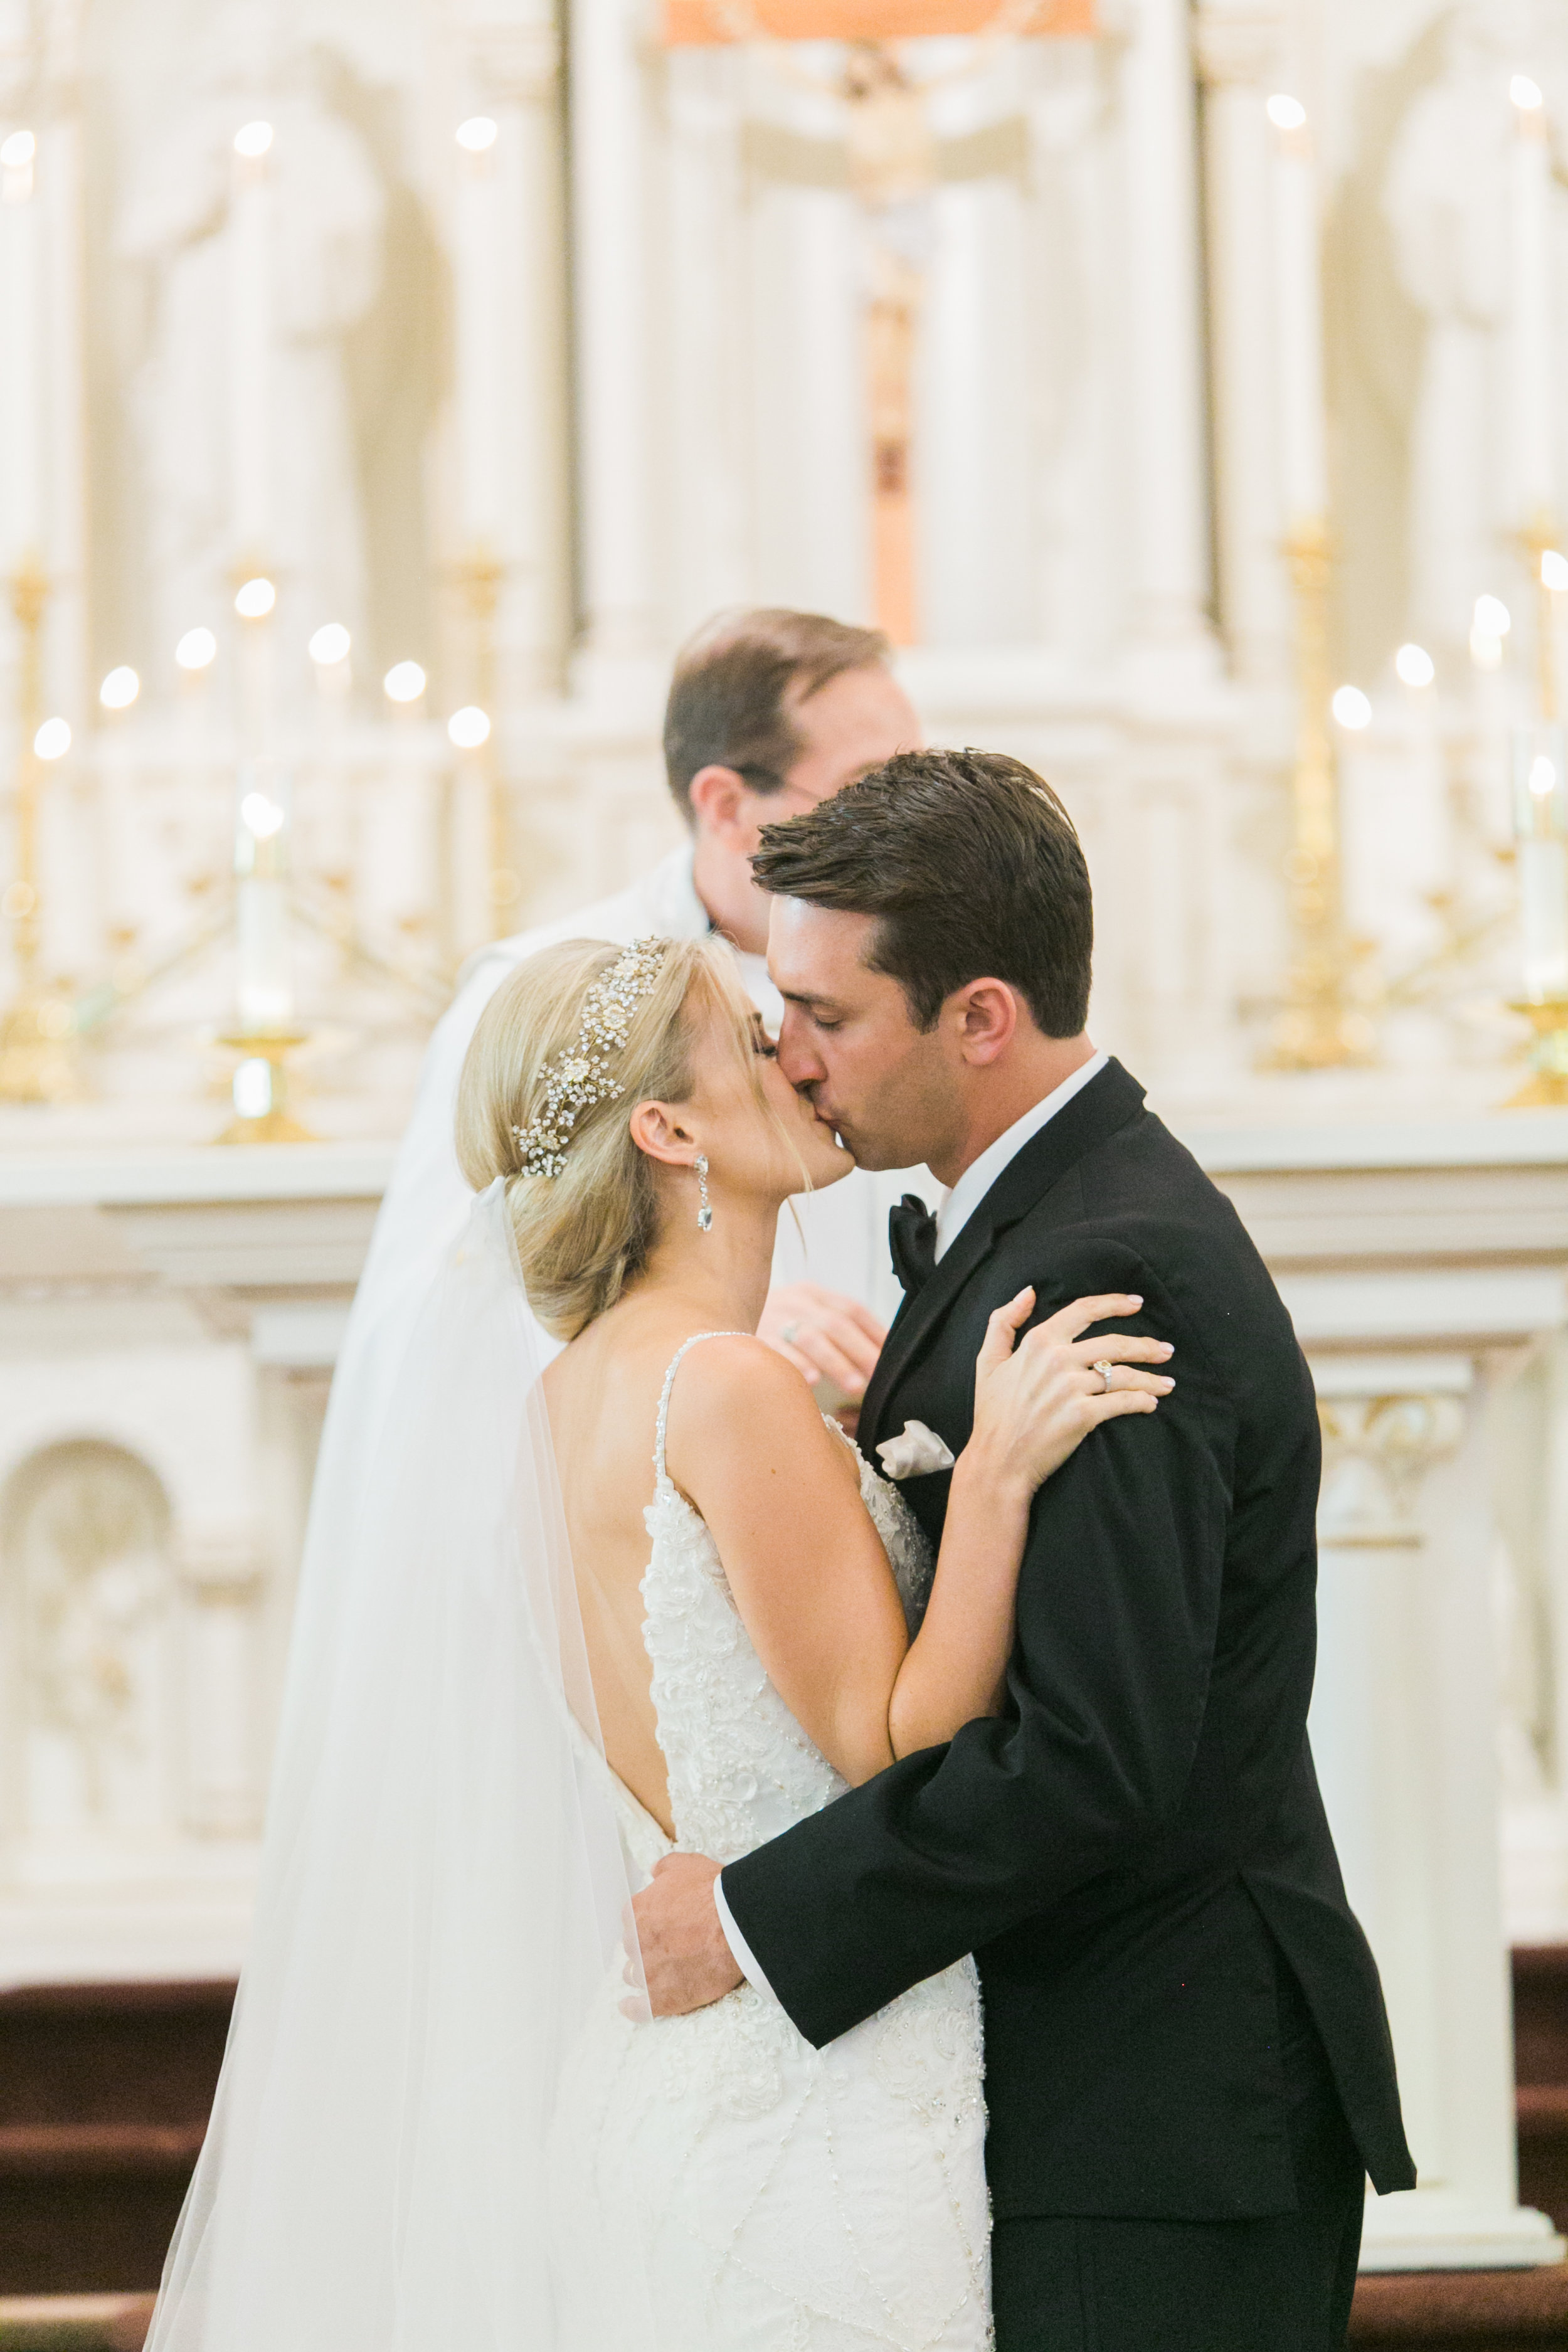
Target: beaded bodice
{"x":741,"y":1769}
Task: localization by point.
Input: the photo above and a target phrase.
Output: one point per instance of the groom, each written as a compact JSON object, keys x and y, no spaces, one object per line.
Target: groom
{"x":1188,"y":2067}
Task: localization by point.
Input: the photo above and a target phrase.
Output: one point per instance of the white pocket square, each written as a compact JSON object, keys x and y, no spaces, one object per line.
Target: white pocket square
{"x":914,"y":1452}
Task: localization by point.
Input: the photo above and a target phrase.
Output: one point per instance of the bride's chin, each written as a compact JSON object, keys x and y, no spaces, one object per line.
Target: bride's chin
{"x":837,"y":1163}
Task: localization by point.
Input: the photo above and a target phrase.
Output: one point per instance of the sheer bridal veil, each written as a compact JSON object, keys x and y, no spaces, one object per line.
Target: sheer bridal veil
{"x":440,"y":1898}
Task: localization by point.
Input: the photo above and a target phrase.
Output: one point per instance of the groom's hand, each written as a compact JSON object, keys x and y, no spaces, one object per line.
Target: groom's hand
{"x":686,"y":1962}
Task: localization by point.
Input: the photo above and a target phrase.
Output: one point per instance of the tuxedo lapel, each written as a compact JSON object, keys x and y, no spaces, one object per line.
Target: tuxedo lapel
{"x":920,"y":1315}
{"x":1108,"y":1102}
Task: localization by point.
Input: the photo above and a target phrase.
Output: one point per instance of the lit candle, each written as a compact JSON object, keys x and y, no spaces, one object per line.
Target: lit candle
{"x":1540,"y":818}
{"x":1534,"y":458}
{"x":1489,"y":628}
{"x":250,"y":339}
{"x":21,"y":417}
{"x":125,"y":894}
{"x":1426,"y":846}
{"x":264,"y":987}
{"x":330,"y":649}
{"x":478,"y":305}
{"x":1299,"y":316}
{"x":254,"y":602}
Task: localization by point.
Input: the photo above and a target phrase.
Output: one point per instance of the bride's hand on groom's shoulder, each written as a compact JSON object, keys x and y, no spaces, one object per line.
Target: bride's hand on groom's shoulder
{"x":1036,"y":1399}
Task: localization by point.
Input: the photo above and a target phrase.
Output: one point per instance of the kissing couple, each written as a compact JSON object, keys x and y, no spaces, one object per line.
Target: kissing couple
{"x":731,"y":1890}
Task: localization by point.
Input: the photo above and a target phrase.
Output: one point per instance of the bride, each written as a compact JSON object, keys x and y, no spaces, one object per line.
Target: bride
{"x":646,"y":1598}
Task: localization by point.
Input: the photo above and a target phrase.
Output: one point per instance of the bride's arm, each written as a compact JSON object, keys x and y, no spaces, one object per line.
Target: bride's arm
{"x":807,"y":1570}
{"x":1034,"y":1406}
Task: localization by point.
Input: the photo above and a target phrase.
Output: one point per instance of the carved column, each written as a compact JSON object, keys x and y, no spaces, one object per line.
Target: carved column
{"x":1403,"y":1730}
{"x":1237,"y":50}
{"x":1169,"y":561}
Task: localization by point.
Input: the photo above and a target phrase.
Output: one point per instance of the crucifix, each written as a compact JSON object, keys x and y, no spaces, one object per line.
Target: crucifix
{"x":891,"y":159}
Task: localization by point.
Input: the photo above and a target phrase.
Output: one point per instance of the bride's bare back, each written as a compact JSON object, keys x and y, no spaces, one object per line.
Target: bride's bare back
{"x":603,"y":1396}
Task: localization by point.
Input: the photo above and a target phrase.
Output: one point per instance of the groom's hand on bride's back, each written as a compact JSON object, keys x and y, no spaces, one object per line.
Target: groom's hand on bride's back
{"x":685,"y":1961}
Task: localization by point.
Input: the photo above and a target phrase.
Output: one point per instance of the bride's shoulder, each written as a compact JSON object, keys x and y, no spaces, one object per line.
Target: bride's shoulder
{"x":729,"y":1371}
{"x":736,"y":1396}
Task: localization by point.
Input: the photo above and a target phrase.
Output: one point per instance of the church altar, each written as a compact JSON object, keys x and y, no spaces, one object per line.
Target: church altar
{"x":383,"y":398}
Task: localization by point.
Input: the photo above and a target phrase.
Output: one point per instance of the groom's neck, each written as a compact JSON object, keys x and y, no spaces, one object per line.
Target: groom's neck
{"x":996,"y":1098}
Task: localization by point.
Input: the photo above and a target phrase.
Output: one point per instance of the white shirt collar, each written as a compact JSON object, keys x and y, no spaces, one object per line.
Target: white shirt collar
{"x":959,"y":1205}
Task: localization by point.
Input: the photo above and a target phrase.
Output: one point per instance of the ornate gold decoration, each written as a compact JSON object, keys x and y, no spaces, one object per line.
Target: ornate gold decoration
{"x":1548,"y":1082}
{"x":37,"y":1027}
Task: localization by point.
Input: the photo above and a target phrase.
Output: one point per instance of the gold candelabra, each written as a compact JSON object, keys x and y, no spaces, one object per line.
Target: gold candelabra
{"x":479,"y":579}
{"x":1318,"y":1028}
{"x":37,"y":1027}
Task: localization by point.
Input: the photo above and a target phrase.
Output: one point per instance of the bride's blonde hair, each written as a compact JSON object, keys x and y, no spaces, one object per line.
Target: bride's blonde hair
{"x":583,"y":1233}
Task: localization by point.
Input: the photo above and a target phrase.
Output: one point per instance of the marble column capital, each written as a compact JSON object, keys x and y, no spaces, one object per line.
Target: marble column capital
{"x":1236,"y":46}
{"x":1378,"y":1446}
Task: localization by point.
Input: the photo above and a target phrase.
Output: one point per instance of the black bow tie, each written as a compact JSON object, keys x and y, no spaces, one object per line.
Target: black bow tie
{"x":911,"y":1235}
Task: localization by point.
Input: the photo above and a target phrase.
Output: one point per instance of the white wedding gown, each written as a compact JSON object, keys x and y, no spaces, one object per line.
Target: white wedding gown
{"x":715,"y":2172}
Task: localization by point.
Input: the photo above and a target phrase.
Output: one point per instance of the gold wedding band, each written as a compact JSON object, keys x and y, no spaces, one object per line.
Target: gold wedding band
{"x":1104,"y":1368}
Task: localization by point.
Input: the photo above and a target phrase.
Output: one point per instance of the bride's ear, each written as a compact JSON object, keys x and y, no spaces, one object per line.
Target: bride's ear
{"x":657,"y":1129}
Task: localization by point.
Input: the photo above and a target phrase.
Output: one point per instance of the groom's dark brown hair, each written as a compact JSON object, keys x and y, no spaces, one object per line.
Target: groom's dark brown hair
{"x":971,"y":864}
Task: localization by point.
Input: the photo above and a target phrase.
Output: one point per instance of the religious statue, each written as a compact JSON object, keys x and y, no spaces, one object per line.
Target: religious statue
{"x":323,"y":263}
{"x":1446,"y":200}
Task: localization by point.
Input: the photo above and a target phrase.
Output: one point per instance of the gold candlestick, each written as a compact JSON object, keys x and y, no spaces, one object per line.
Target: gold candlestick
{"x":1318,"y":1028}
{"x":479,"y":577}
{"x":38,"y":1059}
{"x":263,"y":1116}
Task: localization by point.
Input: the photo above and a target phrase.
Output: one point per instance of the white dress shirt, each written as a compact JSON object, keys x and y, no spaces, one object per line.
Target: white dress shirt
{"x":957,"y":1207}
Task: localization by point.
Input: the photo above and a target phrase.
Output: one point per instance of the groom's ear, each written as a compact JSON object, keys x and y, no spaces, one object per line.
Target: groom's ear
{"x":985,"y":1016}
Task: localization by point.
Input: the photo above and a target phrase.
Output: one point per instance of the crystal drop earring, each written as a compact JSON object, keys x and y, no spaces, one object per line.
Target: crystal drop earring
{"x":704,"y":1205}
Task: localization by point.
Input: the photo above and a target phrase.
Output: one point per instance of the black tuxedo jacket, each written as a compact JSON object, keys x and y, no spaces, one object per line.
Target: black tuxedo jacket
{"x":1125,"y":1847}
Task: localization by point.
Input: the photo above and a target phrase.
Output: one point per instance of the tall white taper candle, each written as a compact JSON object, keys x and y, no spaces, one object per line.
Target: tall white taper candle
{"x":1541,"y":816}
{"x":1299,"y":316}
{"x":264,"y":986}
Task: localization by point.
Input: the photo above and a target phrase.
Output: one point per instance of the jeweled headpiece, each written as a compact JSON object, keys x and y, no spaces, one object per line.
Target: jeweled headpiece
{"x":582,"y":1076}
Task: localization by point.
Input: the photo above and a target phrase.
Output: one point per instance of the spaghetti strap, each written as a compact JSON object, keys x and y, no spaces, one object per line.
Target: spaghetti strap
{"x":661,"y":1474}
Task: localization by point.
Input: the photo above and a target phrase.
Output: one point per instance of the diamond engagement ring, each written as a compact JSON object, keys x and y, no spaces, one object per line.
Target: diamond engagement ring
{"x":1104,"y":1368}
{"x":790,"y":1334}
